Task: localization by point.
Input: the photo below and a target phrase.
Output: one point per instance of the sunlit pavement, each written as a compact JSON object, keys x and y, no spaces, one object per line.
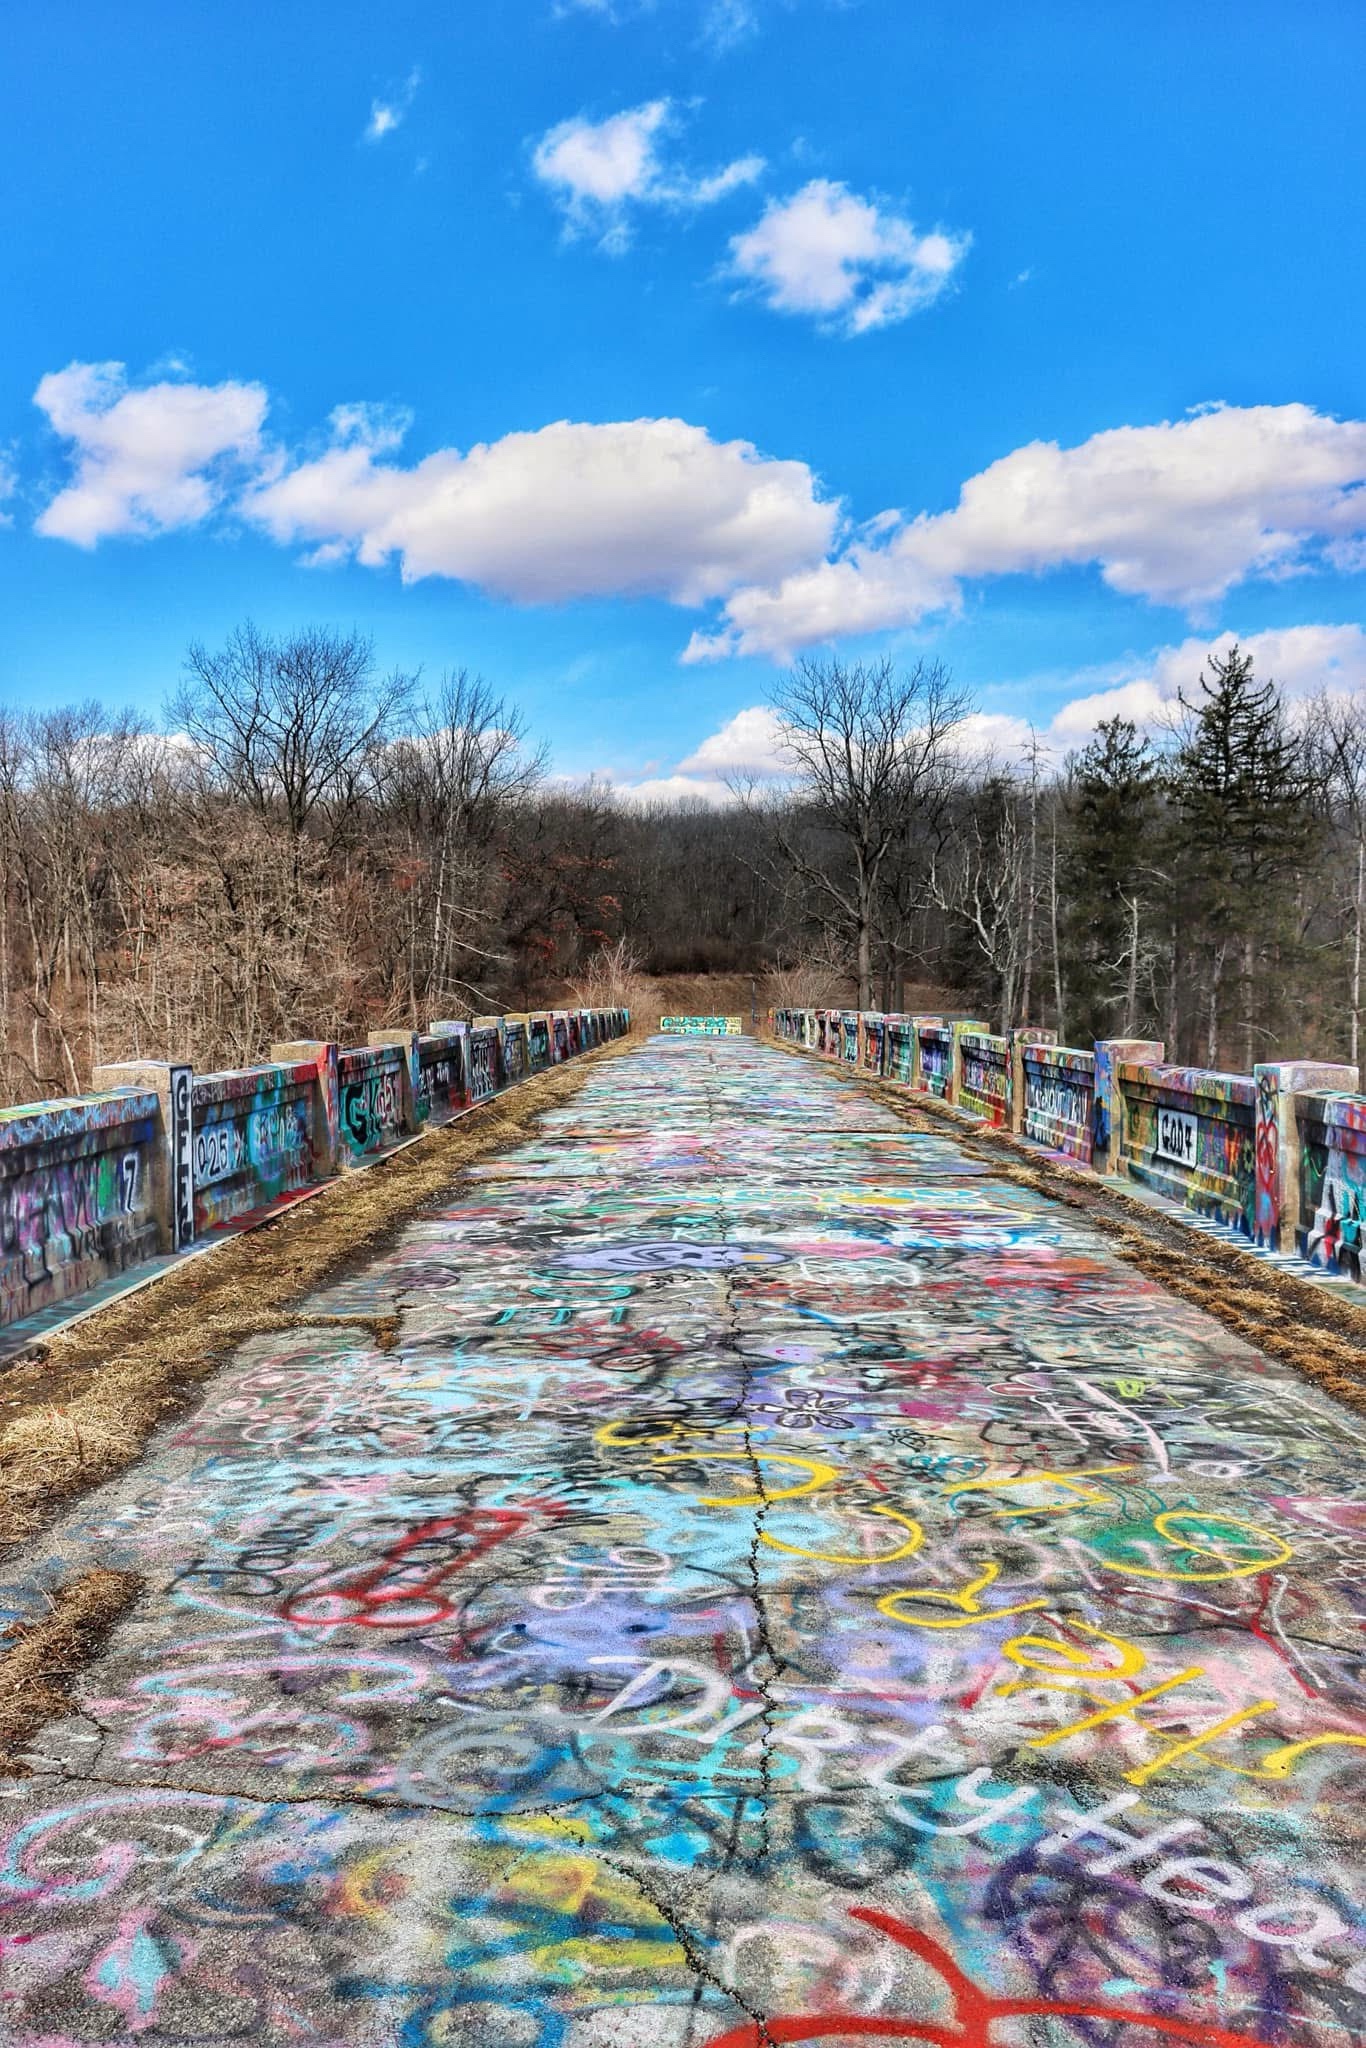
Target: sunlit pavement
{"x":785,"y":1584}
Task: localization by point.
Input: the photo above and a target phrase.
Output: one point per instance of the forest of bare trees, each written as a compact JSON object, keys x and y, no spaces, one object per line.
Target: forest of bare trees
{"x":306,"y":843}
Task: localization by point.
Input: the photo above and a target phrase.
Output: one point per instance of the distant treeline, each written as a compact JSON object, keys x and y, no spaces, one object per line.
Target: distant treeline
{"x":308,"y":844}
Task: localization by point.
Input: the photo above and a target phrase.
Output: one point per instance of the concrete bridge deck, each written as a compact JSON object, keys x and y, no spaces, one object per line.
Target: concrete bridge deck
{"x":786,"y":1583}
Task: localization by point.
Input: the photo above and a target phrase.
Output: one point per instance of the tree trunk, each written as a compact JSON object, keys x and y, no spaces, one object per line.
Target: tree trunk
{"x":1357,"y":922}
{"x":1131,"y":990}
{"x":1059,"y":1019}
{"x":1212,"y":1028}
{"x":865,"y":944}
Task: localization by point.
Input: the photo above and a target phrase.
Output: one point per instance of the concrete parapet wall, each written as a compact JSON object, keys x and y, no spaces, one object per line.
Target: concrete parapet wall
{"x":898,"y":1062}
{"x":873,"y":1034}
{"x":983,"y":1084}
{"x":93,"y":1184}
{"x":539,"y":1049}
{"x":934,"y":1058}
{"x":442,"y":1060}
{"x":1059,"y":1098}
{"x":1191,"y":1134}
{"x":485,"y":1063}
{"x":253,"y":1139}
{"x":1278,"y":1155}
{"x":371,"y":1087}
{"x":1331,"y":1210}
{"x":76,"y":1195}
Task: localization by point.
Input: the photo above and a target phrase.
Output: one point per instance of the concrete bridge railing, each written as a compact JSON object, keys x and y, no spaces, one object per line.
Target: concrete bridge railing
{"x":161,"y":1156}
{"x":1278,"y":1155}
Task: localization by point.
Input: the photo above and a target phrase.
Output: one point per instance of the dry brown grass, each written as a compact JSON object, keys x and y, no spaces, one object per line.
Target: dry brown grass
{"x":1319,"y":1333}
{"x":80,"y":1407}
{"x":36,"y":1674}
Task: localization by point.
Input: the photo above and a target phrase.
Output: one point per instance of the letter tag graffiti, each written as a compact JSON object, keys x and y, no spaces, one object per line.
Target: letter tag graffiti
{"x":1176,"y":1136}
{"x":128,"y":1181}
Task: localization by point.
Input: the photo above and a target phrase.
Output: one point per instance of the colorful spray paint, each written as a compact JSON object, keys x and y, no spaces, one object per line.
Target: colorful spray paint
{"x":782,"y":1582}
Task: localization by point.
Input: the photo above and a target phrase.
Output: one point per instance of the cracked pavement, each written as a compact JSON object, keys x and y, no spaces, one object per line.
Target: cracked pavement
{"x":737,"y":1571}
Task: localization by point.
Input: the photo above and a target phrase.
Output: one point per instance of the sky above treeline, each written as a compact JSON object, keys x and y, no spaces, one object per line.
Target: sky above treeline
{"x":627,"y":349}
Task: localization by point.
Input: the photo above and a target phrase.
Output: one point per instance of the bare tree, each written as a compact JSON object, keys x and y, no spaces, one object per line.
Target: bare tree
{"x":290,"y":726}
{"x":1335,"y":726}
{"x":449,"y":787}
{"x":981,"y":881}
{"x":872,"y":762}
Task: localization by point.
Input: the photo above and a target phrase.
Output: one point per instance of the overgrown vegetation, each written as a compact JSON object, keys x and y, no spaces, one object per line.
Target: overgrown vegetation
{"x":307,"y":844}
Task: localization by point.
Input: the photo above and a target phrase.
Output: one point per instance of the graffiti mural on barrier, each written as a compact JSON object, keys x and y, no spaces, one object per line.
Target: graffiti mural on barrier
{"x":181,"y":1094}
{"x":1333,"y":1185}
{"x":74,"y":1209}
{"x":984,"y":1085}
{"x":783,"y":1583}
{"x":936,"y":1059}
{"x":1191,"y":1134}
{"x":1059,"y":1092}
{"x":371,"y":1087}
{"x":483,"y":1059}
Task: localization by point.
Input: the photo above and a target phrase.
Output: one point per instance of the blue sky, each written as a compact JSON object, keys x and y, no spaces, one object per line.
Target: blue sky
{"x":624,"y":351}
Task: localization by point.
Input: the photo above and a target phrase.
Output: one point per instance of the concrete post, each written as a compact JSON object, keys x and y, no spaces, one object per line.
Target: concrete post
{"x":325,"y":1119}
{"x":1275,"y":1211}
{"x":414,"y":1109}
{"x":173,"y":1156}
{"x":1025,"y":1034}
{"x":1107,"y":1110}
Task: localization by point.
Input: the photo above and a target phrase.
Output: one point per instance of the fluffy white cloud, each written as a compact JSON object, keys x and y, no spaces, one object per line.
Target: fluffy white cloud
{"x":626,"y":508}
{"x":598,"y":170}
{"x":846,"y":261}
{"x":388,"y":114}
{"x":751,"y":743}
{"x":145,"y":460}
{"x":1177,"y":513}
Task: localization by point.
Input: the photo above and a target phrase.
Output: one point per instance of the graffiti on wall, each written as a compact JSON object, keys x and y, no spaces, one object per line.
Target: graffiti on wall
{"x":1059,"y":1090}
{"x":371,"y":1101}
{"x":936,"y":1060}
{"x":72,"y":1217}
{"x":181,"y":1161}
{"x":984,"y":1083}
{"x":483,"y":1062}
{"x":1191,"y":1134}
{"x":1332,"y":1193}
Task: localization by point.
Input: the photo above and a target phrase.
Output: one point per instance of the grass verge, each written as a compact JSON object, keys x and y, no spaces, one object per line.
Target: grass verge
{"x":79,"y":1407}
{"x":1320,"y":1334}
{"x":37,"y":1672}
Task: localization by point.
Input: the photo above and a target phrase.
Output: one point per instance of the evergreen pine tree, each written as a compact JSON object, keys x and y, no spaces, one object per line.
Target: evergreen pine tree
{"x":1243,"y":820}
{"x":1115,"y":799}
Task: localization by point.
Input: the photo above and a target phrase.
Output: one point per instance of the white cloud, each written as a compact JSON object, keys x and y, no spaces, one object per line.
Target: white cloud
{"x":1177,"y":513}
{"x":9,"y":484}
{"x":728,"y":22}
{"x":599,"y":170}
{"x":391,"y":113}
{"x":145,"y":460}
{"x":626,"y":508}
{"x":751,"y":743}
{"x":674,"y":789}
{"x":846,"y":261}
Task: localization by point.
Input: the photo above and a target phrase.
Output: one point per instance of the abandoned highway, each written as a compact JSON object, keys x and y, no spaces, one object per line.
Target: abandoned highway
{"x":786,"y":1582}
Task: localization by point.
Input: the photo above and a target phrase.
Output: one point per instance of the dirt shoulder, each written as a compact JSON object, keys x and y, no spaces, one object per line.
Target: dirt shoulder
{"x":79,"y":1406}
{"x":1319,"y":1333}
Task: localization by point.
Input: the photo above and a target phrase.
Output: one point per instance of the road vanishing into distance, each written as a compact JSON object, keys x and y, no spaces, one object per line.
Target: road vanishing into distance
{"x":786,"y":1582}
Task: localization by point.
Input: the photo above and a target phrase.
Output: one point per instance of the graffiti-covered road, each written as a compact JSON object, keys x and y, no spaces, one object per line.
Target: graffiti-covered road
{"x":784,"y":1584}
